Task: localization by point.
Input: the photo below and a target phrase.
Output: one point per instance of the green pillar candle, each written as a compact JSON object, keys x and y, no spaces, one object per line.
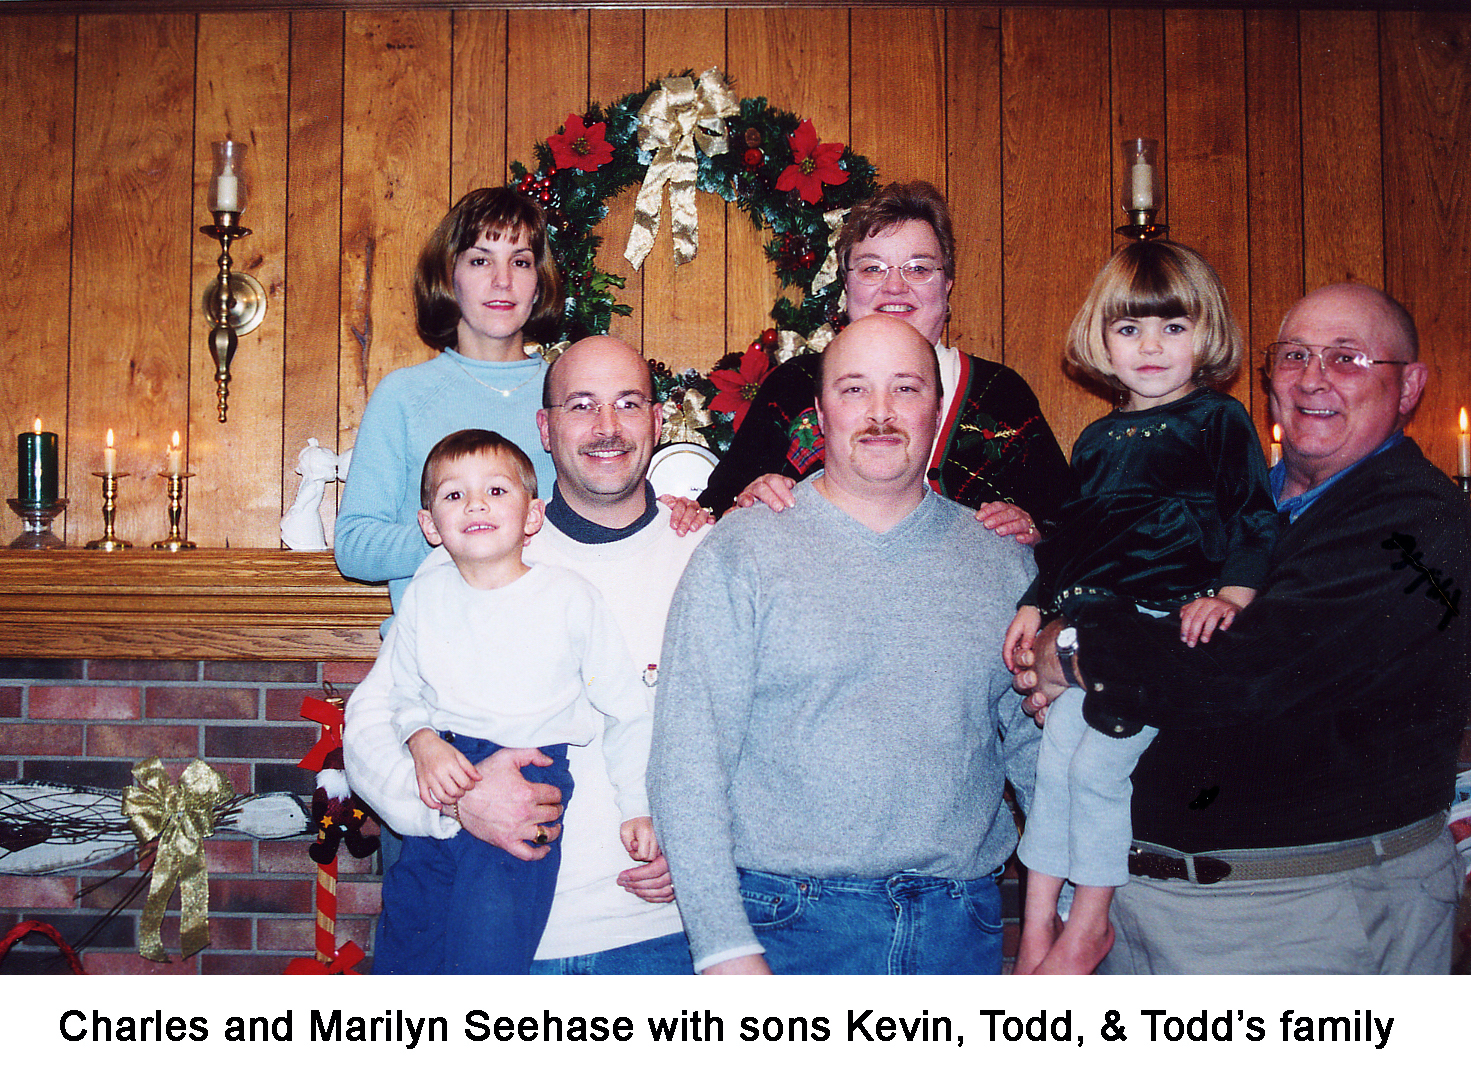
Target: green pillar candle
{"x":36,"y":459}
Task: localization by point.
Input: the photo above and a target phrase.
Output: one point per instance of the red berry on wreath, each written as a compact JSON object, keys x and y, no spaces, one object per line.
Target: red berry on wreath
{"x":768,"y":339}
{"x":754,"y":159}
{"x":808,"y":260}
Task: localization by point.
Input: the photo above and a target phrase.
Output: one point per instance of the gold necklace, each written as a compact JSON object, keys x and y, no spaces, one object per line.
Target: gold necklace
{"x":536,"y":373}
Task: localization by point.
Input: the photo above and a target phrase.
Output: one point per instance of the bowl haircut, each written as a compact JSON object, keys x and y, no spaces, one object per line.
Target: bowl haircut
{"x":1157,"y":279}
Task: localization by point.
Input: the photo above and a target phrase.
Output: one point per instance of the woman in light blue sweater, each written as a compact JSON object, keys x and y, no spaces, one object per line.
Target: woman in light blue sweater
{"x":486,"y":286}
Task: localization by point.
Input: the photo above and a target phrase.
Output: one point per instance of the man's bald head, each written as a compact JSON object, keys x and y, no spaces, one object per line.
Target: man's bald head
{"x":879,"y":331}
{"x":600,"y":350}
{"x":1332,"y":419}
{"x":1406,"y":338}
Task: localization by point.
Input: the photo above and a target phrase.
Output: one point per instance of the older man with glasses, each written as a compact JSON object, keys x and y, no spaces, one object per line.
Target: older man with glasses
{"x":1290,"y":817}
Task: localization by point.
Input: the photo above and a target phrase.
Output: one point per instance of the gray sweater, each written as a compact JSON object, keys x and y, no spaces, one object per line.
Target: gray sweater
{"x":832,"y":703}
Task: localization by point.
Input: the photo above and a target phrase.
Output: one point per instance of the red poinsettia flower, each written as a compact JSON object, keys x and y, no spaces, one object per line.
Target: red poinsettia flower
{"x":816,"y":163}
{"x":580,"y":146}
{"x":738,"y":385}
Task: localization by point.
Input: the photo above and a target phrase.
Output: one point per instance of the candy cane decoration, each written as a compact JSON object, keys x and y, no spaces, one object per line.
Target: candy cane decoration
{"x":337,"y":817}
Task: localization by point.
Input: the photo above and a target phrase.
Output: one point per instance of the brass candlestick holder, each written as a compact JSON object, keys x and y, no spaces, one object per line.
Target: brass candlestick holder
{"x":175,"y":539}
{"x":234,"y":303}
{"x":1142,"y":226}
{"x":37,"y":517}
{"x":109,"y":540}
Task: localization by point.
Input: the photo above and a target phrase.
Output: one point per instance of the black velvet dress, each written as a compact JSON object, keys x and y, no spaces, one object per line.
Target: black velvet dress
{"x":1174,"y":504}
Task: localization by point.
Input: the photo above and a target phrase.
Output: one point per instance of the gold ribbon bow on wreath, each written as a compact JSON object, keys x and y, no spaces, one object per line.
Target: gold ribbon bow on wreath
{"x":181,"y":817}
{"x":790,"y":343}
{"x":828,"y":273}
{"x":682,"y":421}
{"x":674,"y":117}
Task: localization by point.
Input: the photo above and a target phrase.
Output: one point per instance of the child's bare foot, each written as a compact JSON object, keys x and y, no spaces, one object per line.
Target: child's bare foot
{"x":1039,"y":934}
{"x":1076,"y":952}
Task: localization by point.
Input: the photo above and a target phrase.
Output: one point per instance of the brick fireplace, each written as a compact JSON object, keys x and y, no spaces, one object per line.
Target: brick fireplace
{"x":101,"y":676}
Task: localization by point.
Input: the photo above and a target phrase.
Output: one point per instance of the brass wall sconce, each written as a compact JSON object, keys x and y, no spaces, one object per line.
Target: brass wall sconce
{"x":1143,"y":196}
{"x":234,"y":303}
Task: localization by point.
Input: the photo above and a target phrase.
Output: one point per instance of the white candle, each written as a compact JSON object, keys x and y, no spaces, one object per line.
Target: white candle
{"x":176,"y":457}
{"x":1276,"y":449}
{"x":109,"y":456}
{"x":1141,"y":186}
{"x":1465,"y":446}
{"x":227,"y":192}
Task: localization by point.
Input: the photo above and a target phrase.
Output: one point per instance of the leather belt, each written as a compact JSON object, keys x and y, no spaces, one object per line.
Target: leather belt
{"x":1285,"y":862}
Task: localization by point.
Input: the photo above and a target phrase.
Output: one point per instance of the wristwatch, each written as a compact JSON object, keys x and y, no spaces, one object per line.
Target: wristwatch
{"x":1066,"y":646}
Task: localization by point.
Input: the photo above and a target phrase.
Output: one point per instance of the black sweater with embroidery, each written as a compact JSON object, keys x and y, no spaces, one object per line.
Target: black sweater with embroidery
{"x":997,"y":445}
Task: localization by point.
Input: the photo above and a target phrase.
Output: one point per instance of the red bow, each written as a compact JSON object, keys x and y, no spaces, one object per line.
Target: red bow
{"x":350,"y":955}
{"x":330,"y":716}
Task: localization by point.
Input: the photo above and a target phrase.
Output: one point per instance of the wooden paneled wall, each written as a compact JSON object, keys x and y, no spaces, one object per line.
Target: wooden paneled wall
{"x":1300,"y":148}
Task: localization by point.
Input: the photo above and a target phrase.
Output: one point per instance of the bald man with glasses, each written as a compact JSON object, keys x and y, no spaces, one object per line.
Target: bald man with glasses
{"x":1290,"y":817}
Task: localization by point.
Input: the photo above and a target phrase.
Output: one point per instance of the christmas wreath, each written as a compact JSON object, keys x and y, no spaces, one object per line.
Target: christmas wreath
{"x":678,"y":135}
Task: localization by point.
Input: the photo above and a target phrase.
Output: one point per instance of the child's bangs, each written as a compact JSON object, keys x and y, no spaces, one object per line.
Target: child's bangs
{"x":1153,"y":291}
{"x":1149,"y":295}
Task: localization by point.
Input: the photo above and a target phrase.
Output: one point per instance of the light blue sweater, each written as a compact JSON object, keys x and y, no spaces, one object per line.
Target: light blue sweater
{"x":378,"y":536}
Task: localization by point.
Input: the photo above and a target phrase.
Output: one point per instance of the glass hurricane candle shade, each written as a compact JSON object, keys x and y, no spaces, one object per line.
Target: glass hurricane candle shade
{"x":227,"y":189}
{"x":1140,"y":180}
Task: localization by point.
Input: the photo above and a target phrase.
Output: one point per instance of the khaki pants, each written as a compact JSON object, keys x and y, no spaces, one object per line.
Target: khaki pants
{"x":1394,"y":917}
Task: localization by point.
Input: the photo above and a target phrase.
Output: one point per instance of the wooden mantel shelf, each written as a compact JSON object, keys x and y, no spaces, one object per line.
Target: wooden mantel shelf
{"x":195,"y":604}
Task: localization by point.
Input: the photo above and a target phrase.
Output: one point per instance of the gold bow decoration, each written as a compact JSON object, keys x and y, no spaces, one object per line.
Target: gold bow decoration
{"x":789,"y":343}
{"x":549,"y":353}
{"x":680,"y":113}
{"x":829,"y":271}
{"x":683,"y":420}
{"x":181,"y":817}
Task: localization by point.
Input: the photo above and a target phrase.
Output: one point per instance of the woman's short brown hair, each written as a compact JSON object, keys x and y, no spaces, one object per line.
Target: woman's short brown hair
{"x":493,"y":212}
{"x":914,"y":200}
{"x":1157,"y":279}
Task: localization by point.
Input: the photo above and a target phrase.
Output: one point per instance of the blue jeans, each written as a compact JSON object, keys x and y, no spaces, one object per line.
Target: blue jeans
{"x":906,"y":924}
{"x":664,"y":955}
{"x":460,"y":905}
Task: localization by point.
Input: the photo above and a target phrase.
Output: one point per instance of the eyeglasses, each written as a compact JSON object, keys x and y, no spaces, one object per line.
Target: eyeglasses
{"x":628,"y":406}
{"x":1335,"y":361}
{"x":872,"y":272}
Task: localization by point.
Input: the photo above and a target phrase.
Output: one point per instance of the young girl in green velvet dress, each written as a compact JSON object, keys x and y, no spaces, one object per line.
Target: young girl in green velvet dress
{"x":1174,"y":514}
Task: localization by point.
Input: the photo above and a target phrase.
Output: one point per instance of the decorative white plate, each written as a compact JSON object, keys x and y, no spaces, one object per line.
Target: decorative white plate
{"x":682,"y":469}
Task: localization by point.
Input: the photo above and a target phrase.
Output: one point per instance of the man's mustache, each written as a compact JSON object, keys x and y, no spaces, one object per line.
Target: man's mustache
{"x":609,"y":445}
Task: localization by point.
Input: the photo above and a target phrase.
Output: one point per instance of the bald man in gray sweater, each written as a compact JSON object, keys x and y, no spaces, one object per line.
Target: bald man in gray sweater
{"x":835,"y":726}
